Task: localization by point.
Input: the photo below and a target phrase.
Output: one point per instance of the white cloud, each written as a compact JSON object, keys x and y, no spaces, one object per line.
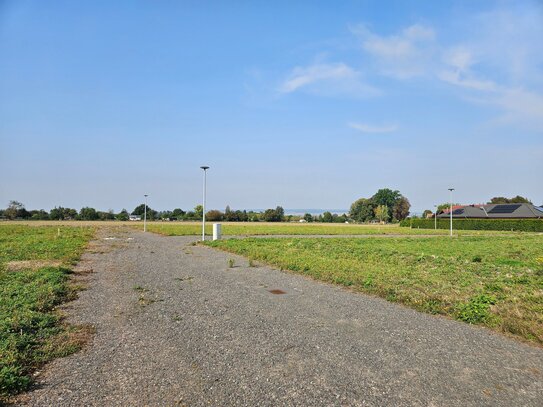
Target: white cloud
{"x":367,"y":128}
{"x":402,"y":55}
{"x":327,"y":79}
{"x":458,"y":79}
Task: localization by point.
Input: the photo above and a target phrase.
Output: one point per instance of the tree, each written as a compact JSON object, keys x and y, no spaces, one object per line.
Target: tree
{"x":214,"y":215}
{"x":178,"y":213}
{"x":387,"y":197}
{"x":198,"y":211}
{"x":308,"y":217}
{"x":140,"y":211}
{"x":16,"y":210}
{"x":61,"y":213}
{"x":39,"y":215}
{"x":123,"y":215}
{"x":426,"y":213}
{"x":273,"y":215}
{"x":504,"y":200}
{"x":400,"y":211}
{"x":445,"y":206}
{"x":327,"y":217}
{"x":381,"y":212}
{"x":87,"y":213}
{"x":362,"y":210}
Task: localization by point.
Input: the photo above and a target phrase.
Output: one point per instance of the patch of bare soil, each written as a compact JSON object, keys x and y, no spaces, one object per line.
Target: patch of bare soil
{"x":31,"y":264}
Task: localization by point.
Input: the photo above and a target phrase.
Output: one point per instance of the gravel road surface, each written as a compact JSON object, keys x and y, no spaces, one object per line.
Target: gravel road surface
{"x":175,"y":325}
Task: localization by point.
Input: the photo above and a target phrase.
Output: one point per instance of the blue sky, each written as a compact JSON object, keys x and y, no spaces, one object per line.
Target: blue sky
{"x":305,"y":105}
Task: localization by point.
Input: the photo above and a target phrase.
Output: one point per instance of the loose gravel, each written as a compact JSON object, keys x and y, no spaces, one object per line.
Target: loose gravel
{"x":176,"y":325}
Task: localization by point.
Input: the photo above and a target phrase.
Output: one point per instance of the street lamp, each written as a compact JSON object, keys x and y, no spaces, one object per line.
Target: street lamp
{"x":205,"y":168}
{"x":145,"y":214}
{"x":451,"y":211}
{"x":435,"y":218}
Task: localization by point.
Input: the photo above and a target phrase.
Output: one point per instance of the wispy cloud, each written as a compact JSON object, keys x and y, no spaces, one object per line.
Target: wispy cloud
{"x":368,"y":128}
{"x":402,"y":55}
{"x":328,"y":79}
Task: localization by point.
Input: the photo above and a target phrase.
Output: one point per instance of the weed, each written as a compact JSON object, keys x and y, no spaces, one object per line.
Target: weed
{"x":476,"y":310}
{"x":477,"y":259}
{"x":231,"y":263}
{"x":252,"y":263}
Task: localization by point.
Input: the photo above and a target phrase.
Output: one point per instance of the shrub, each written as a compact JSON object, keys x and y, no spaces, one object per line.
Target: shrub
{"x":519,"y":225}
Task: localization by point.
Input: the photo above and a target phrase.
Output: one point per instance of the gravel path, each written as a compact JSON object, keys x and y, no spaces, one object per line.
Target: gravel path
{"x":176,"y":326}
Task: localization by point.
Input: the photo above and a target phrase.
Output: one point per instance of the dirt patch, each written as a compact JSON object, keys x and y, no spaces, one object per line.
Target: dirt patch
{"x":31,"y":264}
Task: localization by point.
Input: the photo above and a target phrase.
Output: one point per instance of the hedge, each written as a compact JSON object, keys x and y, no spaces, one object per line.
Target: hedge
{"x":521,"y":225}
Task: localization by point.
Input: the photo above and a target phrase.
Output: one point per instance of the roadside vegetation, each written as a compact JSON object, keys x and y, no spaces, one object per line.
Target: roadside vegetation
{"x":495,"y":281}
{"x":35,"y":265}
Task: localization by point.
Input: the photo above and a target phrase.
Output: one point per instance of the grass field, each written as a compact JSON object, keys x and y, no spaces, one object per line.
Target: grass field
{"x":34,"y":272}
{"x":492,"y":280}
{"x":263,"y":228}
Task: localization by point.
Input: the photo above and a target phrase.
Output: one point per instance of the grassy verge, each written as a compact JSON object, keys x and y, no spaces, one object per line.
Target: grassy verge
{"x":262,"y":228}
{"x":34,"y":279}
{"x":495,"y":281}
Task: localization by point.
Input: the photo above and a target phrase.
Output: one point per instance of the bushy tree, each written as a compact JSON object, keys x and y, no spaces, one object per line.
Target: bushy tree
{"x":400,"y":211}
{"x":178,"y":213}
{"x":39,"y":215}
{"x":308,"y":217}
{"x":426,"y":213}
{"x":515,"y":199}
{"x":214,"y":215}
{"x":273,"y":215}
{"x":140,"y":211}
{"x":87,"y":213}
{"x":61,"y":213}
{"x":381,"y":213}
{"x":327,"y":217}
{"x":362,"y":210}
{"x":122,"y":215}
{"x":16,"y":210}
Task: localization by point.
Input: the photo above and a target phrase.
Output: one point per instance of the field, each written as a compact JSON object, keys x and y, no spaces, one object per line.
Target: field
{"x":263,"y":228}
{"x":35,"y":264}
{"x":491,"y":280}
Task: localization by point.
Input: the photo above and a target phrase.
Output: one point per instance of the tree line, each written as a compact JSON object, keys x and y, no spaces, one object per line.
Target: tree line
{"x":385,"y":205}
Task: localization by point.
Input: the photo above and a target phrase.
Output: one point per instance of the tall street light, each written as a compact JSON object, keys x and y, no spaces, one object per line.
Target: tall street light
{"x":451,"y":211}
{"x":145,"y":214}
{"x":205,"y":168}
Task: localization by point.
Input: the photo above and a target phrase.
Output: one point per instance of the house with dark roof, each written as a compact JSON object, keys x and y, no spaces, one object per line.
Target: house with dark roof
{"x":495,"y":211}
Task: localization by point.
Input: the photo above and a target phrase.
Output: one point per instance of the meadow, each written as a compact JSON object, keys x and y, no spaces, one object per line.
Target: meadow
{"x":35,"y":264}
{"x":491,"y":280}
{"x":289,"y":229}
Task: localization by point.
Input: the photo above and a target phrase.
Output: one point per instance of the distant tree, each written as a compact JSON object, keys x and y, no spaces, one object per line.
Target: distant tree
{"x":140,"y":211}
{"x":388,"y":198}
{"x":445,"y":206}
{"x":16,"y":210}
{"x":400,"y":211}
{"x":122,"y":215}
{"x":327,"y":217}
{"x":199,"y":211}
{"x":39,"y":215}
{"x":178,"y":213}
{"x":109,"y":215}
{"x":520,"y":199}
{"x":308,"y":217}
{"x":362,"y":210}
{"x":273,"y":215}
{"x":87,"y":213}
{"x":503,"y":200}
{"x":61,"y":213}
{"x":214,"y":215}
{"x":499,"y":200}
{"x":381,"y":213}
{"x":426,"y":213}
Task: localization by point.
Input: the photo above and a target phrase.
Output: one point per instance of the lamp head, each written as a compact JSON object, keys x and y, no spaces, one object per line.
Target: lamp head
{"x":204,"y":167}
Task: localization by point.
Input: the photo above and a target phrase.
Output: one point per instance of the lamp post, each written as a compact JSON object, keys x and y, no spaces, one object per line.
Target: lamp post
{"x":451,"y":210}
{"x":435,"y":218}
{"x":205,"y":168}
{"x":145,"y":214}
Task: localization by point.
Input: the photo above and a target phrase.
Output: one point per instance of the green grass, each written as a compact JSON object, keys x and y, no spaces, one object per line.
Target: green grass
{"x":262,"y":228}
{"x":495,"y":281}
{"x":31,"y":332}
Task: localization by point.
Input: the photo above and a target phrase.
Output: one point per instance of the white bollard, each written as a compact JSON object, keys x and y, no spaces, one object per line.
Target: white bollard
{"x":216,"y":231}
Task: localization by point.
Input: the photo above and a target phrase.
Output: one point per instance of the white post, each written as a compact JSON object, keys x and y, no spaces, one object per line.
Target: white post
{"x":217,"y":231}
{"x":451,"y":210}
{"x":205,"y":168}
{"x":145,"y":214}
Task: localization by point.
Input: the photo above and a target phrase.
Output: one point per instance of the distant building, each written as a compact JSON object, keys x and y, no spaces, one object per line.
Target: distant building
{"x":134,"y":217}
{"x":495,"y":211}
